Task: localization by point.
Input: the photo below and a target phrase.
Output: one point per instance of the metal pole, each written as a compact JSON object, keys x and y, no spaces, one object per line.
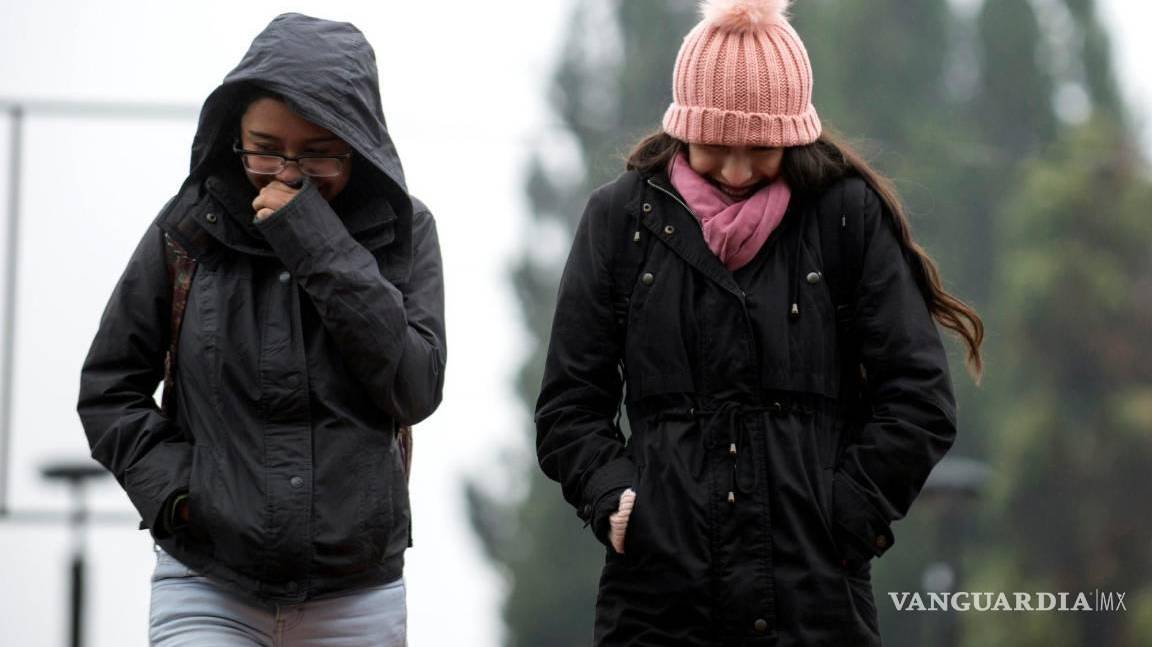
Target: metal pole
{"x":10,"y":284}
{"x":76,"y":635}
{"x":76,"y":475}
{"x":79,"y":517}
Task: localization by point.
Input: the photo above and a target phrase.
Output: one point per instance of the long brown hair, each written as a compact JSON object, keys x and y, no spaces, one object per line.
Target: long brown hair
{"x":812,"y":168}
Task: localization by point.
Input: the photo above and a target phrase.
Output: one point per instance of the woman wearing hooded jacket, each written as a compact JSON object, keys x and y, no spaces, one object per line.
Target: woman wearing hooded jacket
{"x":313,"y":329}
{"x":751,"y":285}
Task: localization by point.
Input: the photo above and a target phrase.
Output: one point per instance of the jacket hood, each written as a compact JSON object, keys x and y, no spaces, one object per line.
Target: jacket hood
{"x":326,"y":73}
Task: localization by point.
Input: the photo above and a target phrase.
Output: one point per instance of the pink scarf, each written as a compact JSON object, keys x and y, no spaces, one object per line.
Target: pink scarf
{"x":734,"y":230}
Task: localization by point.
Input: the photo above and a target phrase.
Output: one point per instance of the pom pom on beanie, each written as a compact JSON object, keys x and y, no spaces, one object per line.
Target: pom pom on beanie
{"x":744,"y":15}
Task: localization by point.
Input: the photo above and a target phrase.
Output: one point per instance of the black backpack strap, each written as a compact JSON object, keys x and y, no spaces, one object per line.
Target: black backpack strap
{"x":404,"y":440}
{"x":842,"y":246}
{"x":842,"y":252}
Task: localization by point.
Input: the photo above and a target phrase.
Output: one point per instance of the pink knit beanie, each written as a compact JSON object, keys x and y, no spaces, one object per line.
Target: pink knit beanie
{"x":742,"y":78}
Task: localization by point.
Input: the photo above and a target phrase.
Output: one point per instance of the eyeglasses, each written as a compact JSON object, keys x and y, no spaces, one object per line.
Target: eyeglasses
{"x":263,"y":163}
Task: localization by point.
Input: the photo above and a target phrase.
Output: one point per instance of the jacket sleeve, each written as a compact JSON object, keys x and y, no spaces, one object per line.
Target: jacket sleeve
{"x":577,"y":440}
{"x":126,"y":432}
{"x":392,"y":339}
{"x":912,"y":422}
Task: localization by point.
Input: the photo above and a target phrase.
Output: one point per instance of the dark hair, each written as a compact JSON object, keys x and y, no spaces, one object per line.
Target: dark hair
{"x":234,"y":102}
{"x":251,"y":93}
{"x":812,"y":168}
{"x":244,"y":96}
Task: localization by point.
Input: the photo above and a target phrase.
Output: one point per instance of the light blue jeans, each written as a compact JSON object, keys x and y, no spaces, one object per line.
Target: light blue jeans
{"x":189,"y":610}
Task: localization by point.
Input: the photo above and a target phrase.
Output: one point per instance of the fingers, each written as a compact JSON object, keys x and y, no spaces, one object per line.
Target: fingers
{"x":284,"y":186}
{"x":273,"y":196}
{"x":618,"y":521}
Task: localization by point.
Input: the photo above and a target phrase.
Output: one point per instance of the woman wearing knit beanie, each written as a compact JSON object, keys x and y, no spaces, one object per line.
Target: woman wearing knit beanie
{"x":750,"y":290}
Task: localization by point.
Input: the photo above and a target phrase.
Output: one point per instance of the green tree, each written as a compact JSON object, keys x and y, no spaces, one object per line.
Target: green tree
{"x":1074,"y":443}
{"x":1073,"y":433}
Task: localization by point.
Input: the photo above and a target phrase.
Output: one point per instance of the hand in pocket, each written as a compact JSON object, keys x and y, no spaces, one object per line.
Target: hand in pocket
{"x":618,"y":522}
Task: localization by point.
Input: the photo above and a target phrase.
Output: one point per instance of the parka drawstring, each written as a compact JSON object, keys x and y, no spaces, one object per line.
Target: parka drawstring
{"x":725,"y":425}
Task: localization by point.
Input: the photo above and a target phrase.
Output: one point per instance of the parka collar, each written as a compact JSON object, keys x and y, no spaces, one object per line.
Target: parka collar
{"x":666,"y":214}
{"x":669,"y":223}
{"x":224,"y":202}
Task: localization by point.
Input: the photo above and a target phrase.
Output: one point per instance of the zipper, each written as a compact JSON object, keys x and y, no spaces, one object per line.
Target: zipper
{"x":673,"y":196}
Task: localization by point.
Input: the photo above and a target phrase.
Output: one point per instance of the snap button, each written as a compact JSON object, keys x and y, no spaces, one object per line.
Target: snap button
{"x":669,"y":230}
{"x":813,"y":277}
{"x":881,"y":542}
{"x":761,"y":625}
{"x":211,"y":218}
{"x":292,"y":587}
{"x":296,"y":482}
{"x":647,"y":278}
{"x":647,"y":207}
{"x":284,"y":276}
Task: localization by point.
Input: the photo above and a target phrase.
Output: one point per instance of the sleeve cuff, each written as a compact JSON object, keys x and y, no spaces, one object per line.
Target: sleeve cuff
{"x":175,"y":522}
{"x":166,"y":522}
{"x":602,"y":494}
{"x":303,"y":229}
{"x":602,"y":511}
{"x":152,"y":483}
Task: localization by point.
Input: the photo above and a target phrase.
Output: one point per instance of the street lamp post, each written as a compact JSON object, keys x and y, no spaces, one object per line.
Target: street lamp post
{"x":952,"y":484}
{"x":76,"y":475}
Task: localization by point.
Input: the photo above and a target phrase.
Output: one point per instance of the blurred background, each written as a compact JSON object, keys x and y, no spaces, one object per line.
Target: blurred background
{"x":1014,"y":129}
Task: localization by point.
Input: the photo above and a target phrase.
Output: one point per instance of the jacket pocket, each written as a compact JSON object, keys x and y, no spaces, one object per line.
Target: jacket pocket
{"x":832,"y":431}
{"x":858,"y":580}
{"x":203,"y":482}
{"x":823,"y":500}
{"x":633,"y":543}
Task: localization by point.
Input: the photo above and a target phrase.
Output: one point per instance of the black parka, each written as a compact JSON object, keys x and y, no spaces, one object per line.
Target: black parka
{"x":307,"y":340}
{"x":763,"y":488}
